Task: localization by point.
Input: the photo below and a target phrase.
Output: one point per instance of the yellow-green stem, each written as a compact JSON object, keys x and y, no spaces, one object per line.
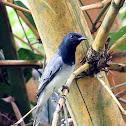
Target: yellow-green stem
{"x":102,"y":34}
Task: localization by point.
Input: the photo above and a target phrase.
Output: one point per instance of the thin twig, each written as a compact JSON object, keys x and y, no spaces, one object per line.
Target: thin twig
{"x":65,"y":113}
{"x":110,"y":92}
{"x":29,"y":45}
{"x":120,"y":67}
{"x":18,"y":115}
{"x":19,"y":121}
{"x":16,"y":7}
{"x":95,"y":6}
{"x":120,"y":85}
{"x":117,"y":43}
{"x":65,"y":91}
{"x":86,"y":13}
{"x":24,"y":30}
{"x":21,"y":63}
{"x":120,"y":94}
{"x":28,"y":23}
{"x":122,"y":100}
{"x":24,"y":18}
{"x":6,"y":117}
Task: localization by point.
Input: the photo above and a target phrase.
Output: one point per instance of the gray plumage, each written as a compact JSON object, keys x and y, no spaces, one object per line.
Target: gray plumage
{"x":58,"y":70}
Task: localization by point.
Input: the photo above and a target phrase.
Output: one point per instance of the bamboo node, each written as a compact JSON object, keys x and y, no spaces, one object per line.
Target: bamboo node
{"x":97,"y":60}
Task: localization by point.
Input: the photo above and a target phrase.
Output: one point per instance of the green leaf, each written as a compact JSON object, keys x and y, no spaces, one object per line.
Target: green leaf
{"x":6,"y":107}
{"x":27,"y":73}
{"x":28,"y":16}
{"x":122,"y":13}
{"x":5,"y":89}
{"x":25,"y":54}
{"x":116,"y":35}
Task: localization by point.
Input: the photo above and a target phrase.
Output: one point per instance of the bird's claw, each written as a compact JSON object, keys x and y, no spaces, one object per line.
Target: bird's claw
{"x":65,"y":87}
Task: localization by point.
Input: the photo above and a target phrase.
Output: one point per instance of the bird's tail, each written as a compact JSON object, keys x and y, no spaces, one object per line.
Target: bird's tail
{"x":41,"y":102}
{"x":37,"y":118}
{"x":40,"y":105}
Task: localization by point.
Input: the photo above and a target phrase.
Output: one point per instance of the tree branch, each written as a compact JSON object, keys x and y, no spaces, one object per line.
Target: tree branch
{"x":120,"y":94}
{"x":16,"y":7}
{"x":21,"y":63}
{"x":95,"y":6}
{"x":120,"y":85}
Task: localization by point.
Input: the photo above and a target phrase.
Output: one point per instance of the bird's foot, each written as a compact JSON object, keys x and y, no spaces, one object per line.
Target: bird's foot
{"x":65,"y":87}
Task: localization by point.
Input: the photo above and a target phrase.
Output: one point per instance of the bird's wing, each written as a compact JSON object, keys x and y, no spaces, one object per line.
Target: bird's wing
{"x":49,"y":73}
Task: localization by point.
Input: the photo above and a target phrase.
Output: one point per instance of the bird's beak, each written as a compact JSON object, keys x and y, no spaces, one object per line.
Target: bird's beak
{"x":82,"y":38}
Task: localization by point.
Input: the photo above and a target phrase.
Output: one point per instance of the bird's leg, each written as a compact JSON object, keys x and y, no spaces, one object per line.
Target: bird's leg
{"x":62,"y":96}
{"x":64,"y":87}
{"x":110,"y":92}
{"x":55,"y":93}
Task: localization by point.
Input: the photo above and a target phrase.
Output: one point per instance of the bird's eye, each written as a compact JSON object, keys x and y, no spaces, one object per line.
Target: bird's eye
{"x":72,"y":36}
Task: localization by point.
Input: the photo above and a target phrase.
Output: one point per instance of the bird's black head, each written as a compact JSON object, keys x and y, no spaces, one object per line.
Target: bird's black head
{"x":68,"y":46}
{"x":72,"y":40}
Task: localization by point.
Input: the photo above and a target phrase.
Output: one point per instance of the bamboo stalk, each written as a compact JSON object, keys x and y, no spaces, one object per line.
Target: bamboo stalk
{"x":112,"y":95}
{"x":117,"y":43}
{"x":21,"y":63}
{"x":103,"y":31}
{"x":59,"y":106}
{"x":95,"y":6}
{"x":29,"y":45}
{"x":16,"y":7}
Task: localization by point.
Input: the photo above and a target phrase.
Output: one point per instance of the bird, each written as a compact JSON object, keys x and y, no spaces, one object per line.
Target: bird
{"x":58,"y":70}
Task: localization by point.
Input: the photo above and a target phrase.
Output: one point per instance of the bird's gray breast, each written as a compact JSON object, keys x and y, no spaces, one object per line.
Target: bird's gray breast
{"x":60,"y":78}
